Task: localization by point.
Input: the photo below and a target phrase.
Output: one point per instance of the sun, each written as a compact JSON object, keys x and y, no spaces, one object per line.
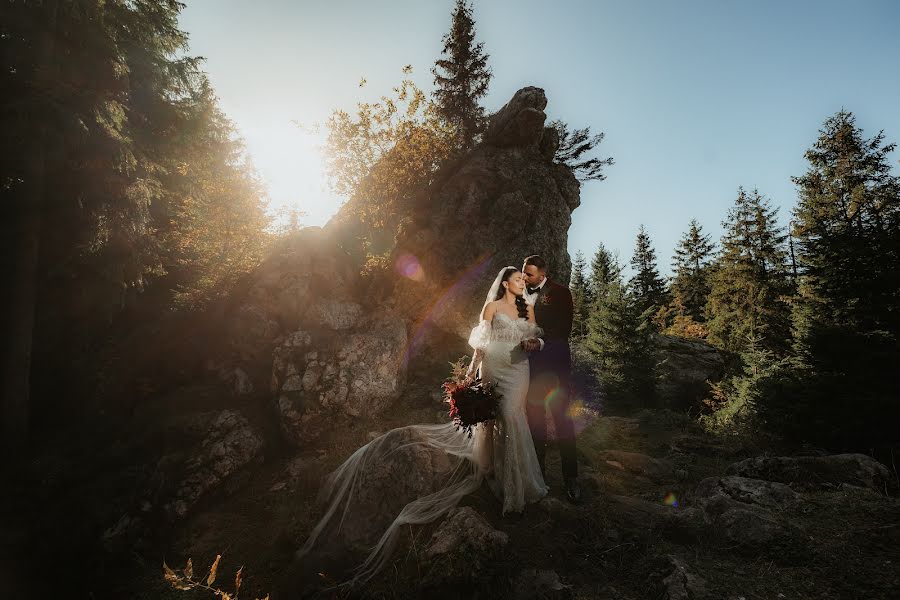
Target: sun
{"x":289,"y":160}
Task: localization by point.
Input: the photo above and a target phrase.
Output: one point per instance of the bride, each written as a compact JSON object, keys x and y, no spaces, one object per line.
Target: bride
{"x":500,"y":452}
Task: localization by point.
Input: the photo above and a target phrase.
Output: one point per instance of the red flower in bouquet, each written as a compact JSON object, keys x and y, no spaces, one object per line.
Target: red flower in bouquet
{"x":471,"y":403}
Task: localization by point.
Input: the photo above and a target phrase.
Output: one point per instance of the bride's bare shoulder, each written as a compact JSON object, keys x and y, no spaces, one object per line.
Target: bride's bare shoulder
{"x":489,"y":310}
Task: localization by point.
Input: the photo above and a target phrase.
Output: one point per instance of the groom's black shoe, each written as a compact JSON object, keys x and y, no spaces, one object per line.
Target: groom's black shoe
{"x":573,"y":490}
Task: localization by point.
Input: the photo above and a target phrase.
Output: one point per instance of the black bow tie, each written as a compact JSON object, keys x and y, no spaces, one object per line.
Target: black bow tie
{"x":532,"y":290}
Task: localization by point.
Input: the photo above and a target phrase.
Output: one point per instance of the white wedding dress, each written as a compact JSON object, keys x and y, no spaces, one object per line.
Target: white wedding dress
{"x":504,"y":447}
{"x":500,"y":452}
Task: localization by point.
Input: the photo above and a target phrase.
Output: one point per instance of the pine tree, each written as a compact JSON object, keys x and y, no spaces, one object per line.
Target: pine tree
{"x":750,"y":284}
{"x":461,"y":78}
{"x":619,"y":340}
{"x":846,"y":225}
{"x":574,"y":146}
{"x":646,"y":285}
{"x":692,"y":256}
{"x":580,"y":296}
{"x":124,"y":177}
{"x":841,"y":391}
{"x":605,"y":269}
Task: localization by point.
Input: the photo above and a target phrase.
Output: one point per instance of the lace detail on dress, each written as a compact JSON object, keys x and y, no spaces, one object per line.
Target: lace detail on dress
{"x":507,"y":329}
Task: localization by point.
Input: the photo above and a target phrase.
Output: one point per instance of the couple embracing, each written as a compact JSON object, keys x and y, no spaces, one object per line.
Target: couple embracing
{"x":521,"y":344}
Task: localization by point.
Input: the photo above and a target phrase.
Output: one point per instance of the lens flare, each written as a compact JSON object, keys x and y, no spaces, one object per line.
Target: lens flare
{"x":551,"y":395}
{"x":408,"y":266}
{"x":474,"y":273}
{"x":670,"y":500}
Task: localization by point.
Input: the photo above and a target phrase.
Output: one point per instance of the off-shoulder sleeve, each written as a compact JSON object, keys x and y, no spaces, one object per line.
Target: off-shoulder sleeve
{"x":481,"y":335}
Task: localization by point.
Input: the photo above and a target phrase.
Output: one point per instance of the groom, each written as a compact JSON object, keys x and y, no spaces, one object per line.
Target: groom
{"x":551,"y":367}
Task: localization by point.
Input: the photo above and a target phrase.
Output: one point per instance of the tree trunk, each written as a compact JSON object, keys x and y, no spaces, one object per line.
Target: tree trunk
{"x":25,"y":253}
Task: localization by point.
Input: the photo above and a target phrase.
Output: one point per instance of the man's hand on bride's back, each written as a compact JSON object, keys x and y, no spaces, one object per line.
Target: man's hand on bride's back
{"x":530,"y":345}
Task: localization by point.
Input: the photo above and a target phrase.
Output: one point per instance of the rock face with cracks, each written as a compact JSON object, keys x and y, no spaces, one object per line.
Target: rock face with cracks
{"x":503,"y":201}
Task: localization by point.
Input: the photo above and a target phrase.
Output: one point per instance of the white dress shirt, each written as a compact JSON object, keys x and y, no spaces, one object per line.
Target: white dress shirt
{"x":531,"y":299}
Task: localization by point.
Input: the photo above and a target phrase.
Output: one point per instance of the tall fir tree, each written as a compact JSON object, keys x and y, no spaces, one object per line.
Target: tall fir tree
{"x":462,"y":77}
{"x":750,"y":286}
{"x":842,"y":391}
{"x":124,"y":173}
{"x":647,"y":286}
{"x":847,"y":226}
{"x":620,"y":342}
{"x":605,"y":269}
{"x":690,"y":265}
{"x":581,"y":297}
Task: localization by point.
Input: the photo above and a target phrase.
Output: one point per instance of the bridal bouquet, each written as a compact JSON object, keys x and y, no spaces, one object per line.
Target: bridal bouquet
{"x":470,"y":403}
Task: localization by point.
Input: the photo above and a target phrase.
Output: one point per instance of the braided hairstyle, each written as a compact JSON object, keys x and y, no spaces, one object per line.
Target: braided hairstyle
{"x":520,"y":300}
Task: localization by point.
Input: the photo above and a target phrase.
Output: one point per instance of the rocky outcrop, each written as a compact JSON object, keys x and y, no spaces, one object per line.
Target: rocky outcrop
{"x":677,"y":581}
{"x":302,"y":330}
{"x":463,"y":548}
{"x":654,"y":469}
{"x":817,"y":471}
{"x":686,"y":366}
{"x":220,"y":448}
{"x":501,"y":202}
{"x":414,"y":469}
{"x":356,"y":373}
{"x":304,"y":326}
{"x":307,"y":281}
{"x":228,"y":445}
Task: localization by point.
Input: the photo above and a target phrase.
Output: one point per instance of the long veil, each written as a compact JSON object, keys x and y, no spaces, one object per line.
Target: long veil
{"x":457,"y":463}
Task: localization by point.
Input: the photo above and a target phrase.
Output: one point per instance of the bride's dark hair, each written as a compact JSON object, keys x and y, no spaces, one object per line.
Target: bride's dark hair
{"x":520,"y":300}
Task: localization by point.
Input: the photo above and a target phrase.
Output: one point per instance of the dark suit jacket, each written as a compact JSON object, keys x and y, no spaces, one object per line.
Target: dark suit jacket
{"x":554,"y":311}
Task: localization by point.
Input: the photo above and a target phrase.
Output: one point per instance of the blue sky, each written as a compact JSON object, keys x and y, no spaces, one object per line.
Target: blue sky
{"x":695,"y":98}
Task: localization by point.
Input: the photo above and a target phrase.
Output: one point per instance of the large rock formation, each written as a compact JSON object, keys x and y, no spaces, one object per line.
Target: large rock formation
{"x":501,"y":202}
{"x":354,"y":372}
{"x":309,"y":336}
{"x":309,"y":329}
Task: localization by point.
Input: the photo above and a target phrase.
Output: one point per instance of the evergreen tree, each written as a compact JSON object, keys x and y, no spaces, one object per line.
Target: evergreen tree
{"x":646,"y":285}
{"x":692,"y":256}
{"x":619,"y":340}
{"x":581,"y":299}
{"x":573,"y":148}
{"x":750,"y":284}
{"x":841,"y":391}
{"x":605,"y":269}
{"x":120,"y":175}
{"x":461,"y":78}
{"x":847,"y":226}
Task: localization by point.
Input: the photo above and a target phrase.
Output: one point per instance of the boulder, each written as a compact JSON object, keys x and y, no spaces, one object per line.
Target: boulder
{"x":307,"y":281}
{"x":677,"y":581}
{"x":401,"y":468}
{"x":654,"y":469}
{"x":685,"y":368}
{"x":357,"y":373}
{"x":766,"y":494}
{"x":229,"y":444}
{"x":817,"y":471}
{"x":463,"y":549}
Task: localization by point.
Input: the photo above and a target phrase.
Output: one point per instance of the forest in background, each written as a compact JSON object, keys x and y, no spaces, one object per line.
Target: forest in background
{"x":132,"y":200}
{"x":134,"y":214}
